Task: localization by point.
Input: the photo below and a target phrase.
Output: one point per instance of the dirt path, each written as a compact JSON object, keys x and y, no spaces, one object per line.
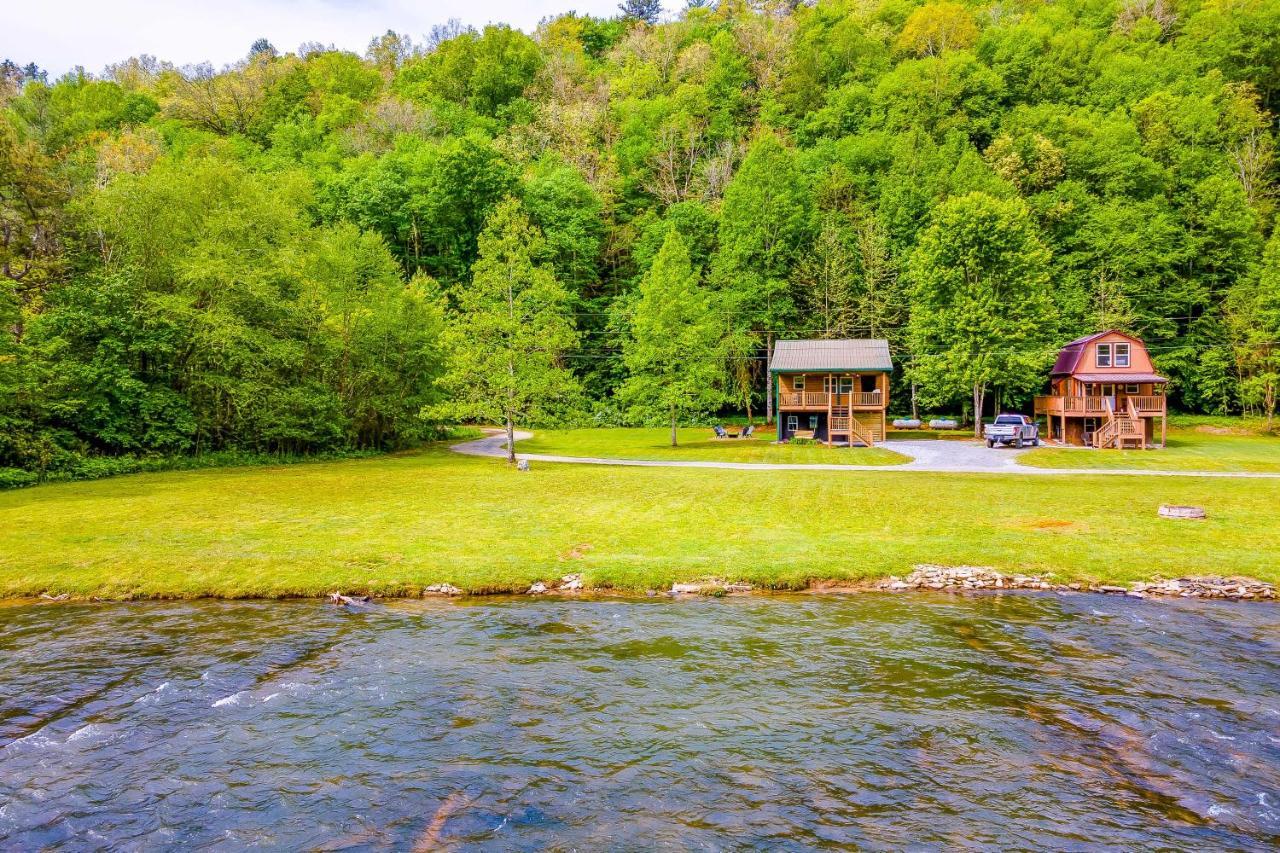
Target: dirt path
{"x":941,"y":456}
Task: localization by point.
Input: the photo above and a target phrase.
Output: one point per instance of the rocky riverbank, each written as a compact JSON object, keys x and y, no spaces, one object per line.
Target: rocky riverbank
{"x":964,"y":578}
{"x":943,"y":579}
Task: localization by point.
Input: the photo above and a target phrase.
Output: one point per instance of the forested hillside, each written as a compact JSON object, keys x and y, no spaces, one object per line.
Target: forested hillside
{"x":290,"y":255}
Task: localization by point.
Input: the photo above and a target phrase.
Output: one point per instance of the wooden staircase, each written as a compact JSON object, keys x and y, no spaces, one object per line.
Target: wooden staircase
{"x":841,"y":422}
{"x":1122,"y":429}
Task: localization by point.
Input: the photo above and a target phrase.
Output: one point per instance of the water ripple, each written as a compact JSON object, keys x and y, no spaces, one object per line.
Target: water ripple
{"x":875,"y":721}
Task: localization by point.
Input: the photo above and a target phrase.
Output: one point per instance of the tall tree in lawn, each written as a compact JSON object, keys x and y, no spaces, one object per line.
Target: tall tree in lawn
{"x":506,"y":346}
{"x":673,"y":354}
{"x":981,"y":315}
{"x":764,"y":223}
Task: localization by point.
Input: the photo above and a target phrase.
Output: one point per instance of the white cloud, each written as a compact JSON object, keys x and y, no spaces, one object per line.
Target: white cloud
{"x":58,"y":35}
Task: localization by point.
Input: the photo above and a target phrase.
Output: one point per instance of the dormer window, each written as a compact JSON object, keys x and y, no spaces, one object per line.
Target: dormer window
{"x":1122,"y":355}
{"x":1104,"y":355}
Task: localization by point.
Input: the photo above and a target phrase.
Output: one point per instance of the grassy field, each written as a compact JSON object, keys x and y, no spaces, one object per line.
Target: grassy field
{"x":395,"y":524}
{"x":1195,"y":444}
{"x":699,"y":443}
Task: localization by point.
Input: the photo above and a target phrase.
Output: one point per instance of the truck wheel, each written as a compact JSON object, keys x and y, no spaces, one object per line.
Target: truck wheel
{"x":1035,"y":442}
{"x":1017,"y":442}
{"x":990,"y":444}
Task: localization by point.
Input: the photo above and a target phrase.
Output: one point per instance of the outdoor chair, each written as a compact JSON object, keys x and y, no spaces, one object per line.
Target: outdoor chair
{"x":721,"y":433}
{"x":747,"y":433}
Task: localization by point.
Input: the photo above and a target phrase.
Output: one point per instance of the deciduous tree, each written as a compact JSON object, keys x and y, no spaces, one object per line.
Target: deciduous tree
{"x":982,"y":314}
{"x":673,"y":354}
{"x":507,"y":343}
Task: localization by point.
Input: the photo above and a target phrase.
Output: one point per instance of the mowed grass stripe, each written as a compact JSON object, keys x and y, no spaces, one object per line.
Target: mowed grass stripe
{"x":396,"y":524}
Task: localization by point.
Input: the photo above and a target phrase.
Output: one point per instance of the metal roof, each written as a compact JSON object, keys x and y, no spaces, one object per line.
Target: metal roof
{"x":850,"y":354}
{"x":1120,"y":378}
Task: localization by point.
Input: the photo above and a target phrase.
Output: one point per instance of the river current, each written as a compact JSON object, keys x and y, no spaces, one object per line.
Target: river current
{"x":878,"y":721}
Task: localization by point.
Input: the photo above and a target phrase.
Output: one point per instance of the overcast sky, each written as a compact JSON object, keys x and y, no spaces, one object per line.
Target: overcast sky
{"x":58,"y":35}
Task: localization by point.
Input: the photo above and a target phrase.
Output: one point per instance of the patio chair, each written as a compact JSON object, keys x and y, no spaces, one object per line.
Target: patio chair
{"x":748,"y":432}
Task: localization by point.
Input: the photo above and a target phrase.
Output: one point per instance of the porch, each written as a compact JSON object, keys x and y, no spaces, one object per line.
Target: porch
{"x":1140,"y":406}
{"x":1117,"y":421}
{"x":820,"y":401}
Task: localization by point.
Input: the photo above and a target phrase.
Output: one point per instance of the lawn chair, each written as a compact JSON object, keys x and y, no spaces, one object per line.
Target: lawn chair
{"x":720,"y":432}
{"x":748,"y":432}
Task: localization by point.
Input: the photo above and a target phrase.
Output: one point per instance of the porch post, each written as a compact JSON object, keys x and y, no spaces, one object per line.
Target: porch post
{"x":829,"y":380}
{"x":775,"y":384}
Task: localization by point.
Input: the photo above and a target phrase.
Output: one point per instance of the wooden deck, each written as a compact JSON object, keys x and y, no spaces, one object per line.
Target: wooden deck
{"x":1093,"y":407}
{"x":1121,"y":421}
{"x":820,"y":401}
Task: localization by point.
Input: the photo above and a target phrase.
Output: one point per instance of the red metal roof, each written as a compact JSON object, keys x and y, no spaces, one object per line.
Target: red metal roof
{"x":1120,"y":378}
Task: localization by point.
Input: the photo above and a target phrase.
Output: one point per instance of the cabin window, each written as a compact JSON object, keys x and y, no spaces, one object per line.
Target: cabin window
{"x":797,"y":383}
{"x":793,"y":423}
{"x":813,"y":422}
{"x":838,"y":385}
{"x":1132,"y":389}
{"x":1122,"y":355}
{"x":1104,"y":355}
{"x":1108,"y":390}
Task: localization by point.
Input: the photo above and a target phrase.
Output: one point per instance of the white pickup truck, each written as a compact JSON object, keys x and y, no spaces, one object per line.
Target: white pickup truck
{"x":1012,"y":429}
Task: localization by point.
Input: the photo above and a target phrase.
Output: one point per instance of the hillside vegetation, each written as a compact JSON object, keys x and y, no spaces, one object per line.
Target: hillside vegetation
{"x":307,"y":251}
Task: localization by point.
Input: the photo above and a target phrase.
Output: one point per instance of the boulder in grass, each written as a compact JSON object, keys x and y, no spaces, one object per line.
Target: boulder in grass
{"x":1175,"y":511}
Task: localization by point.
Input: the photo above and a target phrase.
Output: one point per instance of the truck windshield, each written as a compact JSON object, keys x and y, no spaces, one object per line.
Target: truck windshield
{"x":1009,"y":419}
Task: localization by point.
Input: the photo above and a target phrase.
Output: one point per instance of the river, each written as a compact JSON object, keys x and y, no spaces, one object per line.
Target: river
{"x":790,"y":722}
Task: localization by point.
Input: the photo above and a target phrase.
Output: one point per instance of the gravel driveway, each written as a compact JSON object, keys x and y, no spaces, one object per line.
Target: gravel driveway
{"x":938,"y":455}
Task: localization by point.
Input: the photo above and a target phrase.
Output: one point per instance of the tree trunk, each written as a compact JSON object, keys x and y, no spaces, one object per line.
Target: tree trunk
{"x":768,"y":376}
{"x":511,"y":441}
{"x":673,"y":427}
{"x":978,"y":393}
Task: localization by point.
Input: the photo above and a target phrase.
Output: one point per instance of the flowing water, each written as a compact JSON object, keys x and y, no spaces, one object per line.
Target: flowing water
{"x":878,"y":721}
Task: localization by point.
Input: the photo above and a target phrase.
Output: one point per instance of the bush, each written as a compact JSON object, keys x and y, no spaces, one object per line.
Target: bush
{"x":16,"y":478}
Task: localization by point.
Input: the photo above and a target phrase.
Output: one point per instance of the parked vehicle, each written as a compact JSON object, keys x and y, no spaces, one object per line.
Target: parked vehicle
{"x":1012,"y":429}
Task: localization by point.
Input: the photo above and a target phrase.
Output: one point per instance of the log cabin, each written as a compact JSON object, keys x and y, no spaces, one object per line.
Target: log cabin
{"x":834,"y":391}
{"x":1105,"y":393}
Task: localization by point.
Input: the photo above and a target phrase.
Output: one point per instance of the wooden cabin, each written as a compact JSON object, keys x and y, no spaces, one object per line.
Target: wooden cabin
{"x":834,"y":391}
{"x":1104,"y":392}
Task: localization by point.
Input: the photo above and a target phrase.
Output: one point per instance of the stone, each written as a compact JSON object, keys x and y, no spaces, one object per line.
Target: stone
{"x":538,"y":588}
{"x":443,"y":589}
{"x":522,"y":465}
{"x":1175,"y":511}
{"x":571,"y":583}
{"x":686,"y":588}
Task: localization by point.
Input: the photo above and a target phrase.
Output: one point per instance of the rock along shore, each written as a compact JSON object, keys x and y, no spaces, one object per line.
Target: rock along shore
{"x":962,"y":578}
{"x":942,"y":579}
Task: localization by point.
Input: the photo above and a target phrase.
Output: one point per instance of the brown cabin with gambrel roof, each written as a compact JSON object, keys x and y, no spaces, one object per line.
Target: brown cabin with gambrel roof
{"x":1105,"y":392}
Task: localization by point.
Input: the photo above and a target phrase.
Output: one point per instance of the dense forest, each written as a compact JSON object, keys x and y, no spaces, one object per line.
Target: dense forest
{"x":609,"y":220}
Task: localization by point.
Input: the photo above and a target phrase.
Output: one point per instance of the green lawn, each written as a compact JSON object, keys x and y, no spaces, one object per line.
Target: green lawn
{"x":1200,"y":447}
{"x":699,"y":443}
{"x":393,"y":525}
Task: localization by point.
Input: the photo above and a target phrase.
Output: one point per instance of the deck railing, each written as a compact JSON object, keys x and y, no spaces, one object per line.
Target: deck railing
{"x":821,"y":399}
{"x":1099,"y":406}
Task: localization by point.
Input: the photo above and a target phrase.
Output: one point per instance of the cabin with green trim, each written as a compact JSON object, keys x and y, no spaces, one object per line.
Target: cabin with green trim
{"x":833,"y":391}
